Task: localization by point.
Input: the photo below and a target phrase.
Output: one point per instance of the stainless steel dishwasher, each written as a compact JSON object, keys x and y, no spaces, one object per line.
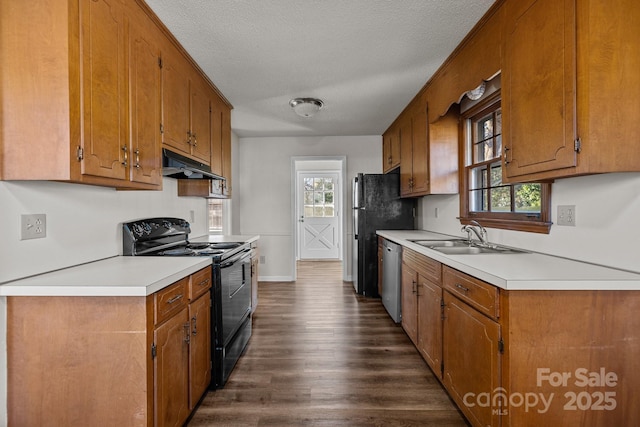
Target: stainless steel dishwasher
{"x":392,"y":279}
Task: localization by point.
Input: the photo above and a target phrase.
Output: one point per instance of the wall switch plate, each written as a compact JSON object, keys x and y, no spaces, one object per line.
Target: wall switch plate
{"x":567,"y":215}
{"x":33,"y":226}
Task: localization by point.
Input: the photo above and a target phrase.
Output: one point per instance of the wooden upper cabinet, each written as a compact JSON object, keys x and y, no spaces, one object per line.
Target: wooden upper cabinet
{"x":428,"y":152}
{"x":568,"y":88}
{"x":420,"y":151}
{"x":200,"y":121}
{"x":104,"y":89}
{"x":414,"y":156}
{"x":539,"y":86}
{"x":145,"y":161}
{"x":186,"y":104}
{"x":226,"y":150}
{"x":92,"y":84}
{"x":405,"y":135}
{"x":176,"y":97}
{"x":390,"y":150}
{"x":93,"y":100}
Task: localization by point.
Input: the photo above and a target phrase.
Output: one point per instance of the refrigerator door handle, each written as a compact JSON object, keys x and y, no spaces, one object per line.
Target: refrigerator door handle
{"x":355,"y":222}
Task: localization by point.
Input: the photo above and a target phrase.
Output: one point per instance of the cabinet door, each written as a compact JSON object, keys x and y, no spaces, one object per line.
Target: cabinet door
{"x":539,"y":86}
{"x":472,"y":361}
{"x":406,"y":156}
{"x":145,"y":160}
{"x":226,"y":149}
{"x":171,"y":370}
{"x":409,"y":303}
{"x":430,"y":323}
{"x":200,"y":122}
{"x":175,"y":101}
{"x":104,"y":83}
{"x":420,"y":157}
{"x":390,"y":150}
{"x":216,"y":135}
{"x":200,"y":348}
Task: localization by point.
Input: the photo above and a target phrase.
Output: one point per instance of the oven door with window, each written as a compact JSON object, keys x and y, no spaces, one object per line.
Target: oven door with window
{"x":235,"y":275}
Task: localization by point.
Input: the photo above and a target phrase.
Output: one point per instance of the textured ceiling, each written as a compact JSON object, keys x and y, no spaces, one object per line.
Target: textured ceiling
{"x":366,"y":59}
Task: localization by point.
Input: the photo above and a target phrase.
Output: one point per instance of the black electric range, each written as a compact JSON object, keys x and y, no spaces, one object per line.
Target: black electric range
{"x":231,"y":282}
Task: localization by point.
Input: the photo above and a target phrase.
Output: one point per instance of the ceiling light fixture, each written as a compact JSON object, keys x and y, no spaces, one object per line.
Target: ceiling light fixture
{"x":306,"y":107}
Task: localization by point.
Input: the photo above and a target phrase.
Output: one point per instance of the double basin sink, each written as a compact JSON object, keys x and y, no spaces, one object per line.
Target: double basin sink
{"x":465,"y":247}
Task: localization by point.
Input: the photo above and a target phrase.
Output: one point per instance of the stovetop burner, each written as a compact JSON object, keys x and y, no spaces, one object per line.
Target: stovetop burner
{"x":198,"y":245}
{"x":178,"y":252}
{"x":224,"y":245}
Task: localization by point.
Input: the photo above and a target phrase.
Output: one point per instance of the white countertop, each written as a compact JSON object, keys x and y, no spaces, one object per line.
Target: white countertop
{"x":117,"y":276}
{"x":521,"y":271}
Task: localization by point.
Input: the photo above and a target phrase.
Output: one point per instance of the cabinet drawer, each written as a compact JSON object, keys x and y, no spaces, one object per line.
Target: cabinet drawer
{"x":171,"y":300}
{"x":475,"y":292}
{"x":424,"y":265}
{"x":200,"y":283}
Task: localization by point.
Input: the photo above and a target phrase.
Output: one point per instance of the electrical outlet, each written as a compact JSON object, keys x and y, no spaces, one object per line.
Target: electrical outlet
{"x":33,"y":226}
{"x":567,"y":215}
{"x":261,"y":259}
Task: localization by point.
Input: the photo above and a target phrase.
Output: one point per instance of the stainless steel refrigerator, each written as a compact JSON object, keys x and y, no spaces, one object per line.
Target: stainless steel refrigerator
{"x":376,"y":206}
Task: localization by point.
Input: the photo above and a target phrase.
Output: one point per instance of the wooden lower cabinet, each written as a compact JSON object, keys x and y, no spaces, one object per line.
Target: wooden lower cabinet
{"x":430,"y":323}
{"x":171,"y":370}
{"x":421,"y":306}
{"x":472,"y":360}
{"x":199,"y":349}
{"x":409,"y":301}
{"x":525,"y":358}
{"x":122,"y":361}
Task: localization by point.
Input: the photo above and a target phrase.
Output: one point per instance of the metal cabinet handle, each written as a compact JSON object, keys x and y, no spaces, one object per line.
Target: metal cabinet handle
{"x":174,"y":299}
{"x":205,"y":282}
{"x":194,"y":321}
{"x":126,"y":155}
{"x":189,"y":137}
{"x":462,"y":288}
{"x":195,"y":139}
{"x":506,"y":157}
{"x":415,"y":287}
{"x":137,"y":165}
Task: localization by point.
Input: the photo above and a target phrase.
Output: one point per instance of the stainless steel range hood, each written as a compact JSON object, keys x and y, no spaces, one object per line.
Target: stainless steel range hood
{"x":177,"y":166}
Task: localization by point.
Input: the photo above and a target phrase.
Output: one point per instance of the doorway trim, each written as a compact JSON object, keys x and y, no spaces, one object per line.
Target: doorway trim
{"x":295,"y":160}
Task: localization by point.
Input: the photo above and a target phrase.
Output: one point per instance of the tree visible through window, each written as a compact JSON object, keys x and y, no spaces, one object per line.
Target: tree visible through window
{"x":486,"y":197}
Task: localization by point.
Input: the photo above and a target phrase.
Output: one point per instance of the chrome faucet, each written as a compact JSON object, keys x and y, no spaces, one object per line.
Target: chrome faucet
{"x":476,"y":228}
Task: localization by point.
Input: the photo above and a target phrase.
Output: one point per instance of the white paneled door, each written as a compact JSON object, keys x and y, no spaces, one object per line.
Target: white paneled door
{"x":318,"y":215}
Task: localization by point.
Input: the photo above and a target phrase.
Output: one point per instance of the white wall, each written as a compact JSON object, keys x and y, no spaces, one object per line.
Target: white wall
{"x":607,"y":227}
{"x":83,"y":222}
{"x":265,"y":189}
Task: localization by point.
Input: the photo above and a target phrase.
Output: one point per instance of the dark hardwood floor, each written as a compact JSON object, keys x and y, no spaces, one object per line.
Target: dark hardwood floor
{"x":322,"y":356}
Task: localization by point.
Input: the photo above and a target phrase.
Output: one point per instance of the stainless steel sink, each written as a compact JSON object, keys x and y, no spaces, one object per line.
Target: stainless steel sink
{"x":470,"y":250}
{"x":441,"y":243}
{"x":463,"y":247}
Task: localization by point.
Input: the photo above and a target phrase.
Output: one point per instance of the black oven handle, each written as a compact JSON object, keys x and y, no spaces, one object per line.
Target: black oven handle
{"x":239,"y":257}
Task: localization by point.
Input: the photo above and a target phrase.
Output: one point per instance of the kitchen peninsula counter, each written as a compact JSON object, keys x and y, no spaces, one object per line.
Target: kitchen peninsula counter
{"x":116,"y":276}
{"x":521,"y":271}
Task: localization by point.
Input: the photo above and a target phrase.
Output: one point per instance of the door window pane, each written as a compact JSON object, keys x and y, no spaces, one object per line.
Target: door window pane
{"x":319,"y":197}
